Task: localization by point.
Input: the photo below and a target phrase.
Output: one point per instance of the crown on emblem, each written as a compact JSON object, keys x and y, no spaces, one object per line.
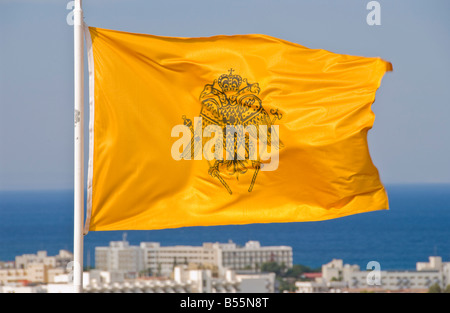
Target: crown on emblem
{"x":229,"y":82}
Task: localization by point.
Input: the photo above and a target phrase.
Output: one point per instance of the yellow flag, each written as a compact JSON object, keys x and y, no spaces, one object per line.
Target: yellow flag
{"x":227,"y":130}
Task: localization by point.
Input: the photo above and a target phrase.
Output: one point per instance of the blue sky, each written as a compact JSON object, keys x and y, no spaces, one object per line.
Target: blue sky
{"x":410,"y":140}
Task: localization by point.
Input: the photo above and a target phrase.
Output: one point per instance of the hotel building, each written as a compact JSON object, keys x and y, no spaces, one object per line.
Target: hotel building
{"x":160,"y":260}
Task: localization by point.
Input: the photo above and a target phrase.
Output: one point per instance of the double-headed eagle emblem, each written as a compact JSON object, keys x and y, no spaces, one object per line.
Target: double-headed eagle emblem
{"x":233,"y":101}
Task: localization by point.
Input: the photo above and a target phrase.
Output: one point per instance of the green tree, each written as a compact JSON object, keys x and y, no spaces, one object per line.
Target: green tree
{"x":435,"y":288}
{"x":286,"y":284}
{"x":144,"y":273}
{"x":286,"y":278}
{"x":447,"y":289}
{"x":273,"y":267}
{"x":297,"y":270}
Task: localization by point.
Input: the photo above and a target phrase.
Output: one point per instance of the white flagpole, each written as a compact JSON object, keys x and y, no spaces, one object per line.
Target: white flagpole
{"x":78,"y":147}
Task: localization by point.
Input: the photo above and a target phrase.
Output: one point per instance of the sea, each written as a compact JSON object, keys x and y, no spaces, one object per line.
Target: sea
{"x":416,"y":226}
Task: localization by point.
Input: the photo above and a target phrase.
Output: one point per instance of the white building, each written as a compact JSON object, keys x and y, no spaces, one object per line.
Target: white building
{"x":96,"y":281}
{"x":203,"y":281}
{"x":38,"y":268}
{"x":256,"y":282}
{"x":186,"y":279}
{"x":319,"y":286}
{"x":253,"y":255}
{"x":22,"y":289}
{"x":161,"y":261}
{"x":337,"y":276}
{"x":119,"y":256}
{"x":434,"y":264}
{"x":41,"y":257}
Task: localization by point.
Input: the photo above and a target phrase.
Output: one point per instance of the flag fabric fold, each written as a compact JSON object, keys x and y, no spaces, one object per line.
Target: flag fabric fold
{"x":227,"y":130}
